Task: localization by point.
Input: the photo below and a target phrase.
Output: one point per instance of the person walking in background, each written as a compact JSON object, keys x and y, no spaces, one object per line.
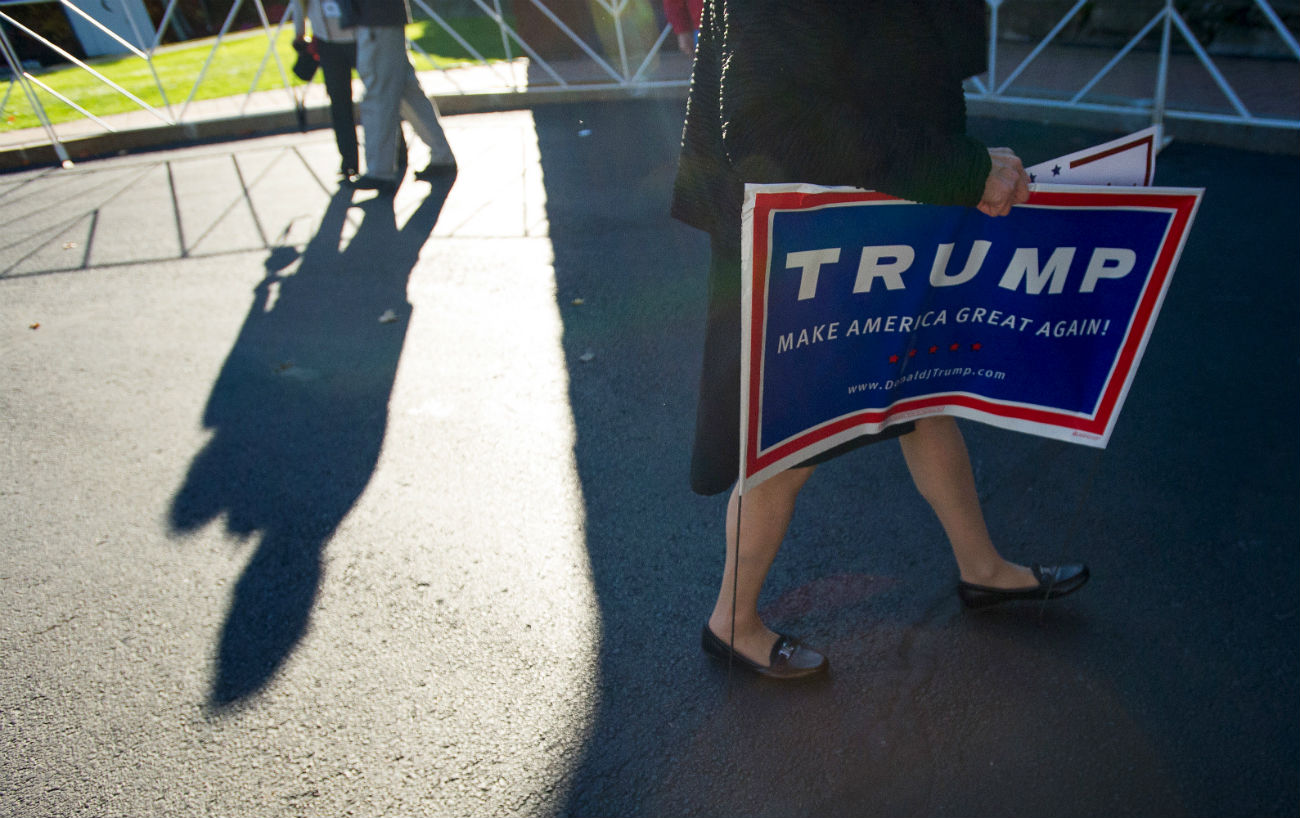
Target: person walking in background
{"x":832,"y":93}
{"x":393,"y":93}
{"x":684,"y":17}
{"x":336,"y":50}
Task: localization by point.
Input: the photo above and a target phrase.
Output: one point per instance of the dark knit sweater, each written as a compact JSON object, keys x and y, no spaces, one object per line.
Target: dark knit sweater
{"x":831,"y":92}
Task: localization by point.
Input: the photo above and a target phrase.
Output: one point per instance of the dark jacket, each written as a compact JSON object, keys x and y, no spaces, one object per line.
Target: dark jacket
{"x":380,"y":13}
{"x":832,"y":92}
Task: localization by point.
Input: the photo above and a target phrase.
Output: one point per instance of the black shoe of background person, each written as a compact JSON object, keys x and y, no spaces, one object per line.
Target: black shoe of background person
{"x":438,"y":172}
{"x":790,"y":659}
{"x":1054,"y":582}
{"x":385,"y":187}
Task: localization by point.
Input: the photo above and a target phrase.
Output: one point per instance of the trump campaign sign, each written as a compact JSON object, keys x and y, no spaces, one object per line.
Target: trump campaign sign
{"x":1129,"y":160}
{"x":861,"y":311}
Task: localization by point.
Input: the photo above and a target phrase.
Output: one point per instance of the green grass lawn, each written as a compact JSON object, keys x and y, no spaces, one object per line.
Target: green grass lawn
{"x":232,"y":72}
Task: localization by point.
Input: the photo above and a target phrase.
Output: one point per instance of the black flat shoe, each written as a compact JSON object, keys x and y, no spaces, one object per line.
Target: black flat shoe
{"x":436,"y":173}
{"x":1054,"y":582}
{"x":385,"y":187}
{"x":790,"y":659}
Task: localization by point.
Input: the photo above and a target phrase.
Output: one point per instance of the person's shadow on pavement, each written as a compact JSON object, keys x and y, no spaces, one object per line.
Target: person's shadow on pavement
{"x":298,"y":415}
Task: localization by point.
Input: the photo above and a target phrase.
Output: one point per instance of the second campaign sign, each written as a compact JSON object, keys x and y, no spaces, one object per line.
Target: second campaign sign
{"x":861,"y":311}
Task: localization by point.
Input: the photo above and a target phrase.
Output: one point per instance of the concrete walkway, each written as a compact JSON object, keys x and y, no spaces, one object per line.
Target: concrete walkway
{"x":1269,"y":89}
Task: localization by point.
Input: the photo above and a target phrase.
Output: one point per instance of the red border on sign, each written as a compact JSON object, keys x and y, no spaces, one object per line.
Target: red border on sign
{"x":1148,"y":140}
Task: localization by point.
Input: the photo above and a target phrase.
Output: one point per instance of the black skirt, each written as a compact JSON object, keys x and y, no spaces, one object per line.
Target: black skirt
{"x":715,"y":457}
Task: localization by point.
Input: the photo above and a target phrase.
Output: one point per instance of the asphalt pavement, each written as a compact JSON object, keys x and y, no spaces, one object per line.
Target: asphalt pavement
{"x":312,"y":504}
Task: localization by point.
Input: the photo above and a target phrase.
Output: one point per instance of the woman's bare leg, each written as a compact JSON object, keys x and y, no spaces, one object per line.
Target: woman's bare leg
{"x":765,"y":516}
{"x":936,"y":456}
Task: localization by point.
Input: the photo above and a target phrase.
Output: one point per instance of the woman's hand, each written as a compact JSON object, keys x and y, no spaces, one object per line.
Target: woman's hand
{"x":1007,"y":185}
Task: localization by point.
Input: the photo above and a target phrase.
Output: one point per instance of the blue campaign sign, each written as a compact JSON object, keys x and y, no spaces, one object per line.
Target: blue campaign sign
{"x":862,"y":311}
